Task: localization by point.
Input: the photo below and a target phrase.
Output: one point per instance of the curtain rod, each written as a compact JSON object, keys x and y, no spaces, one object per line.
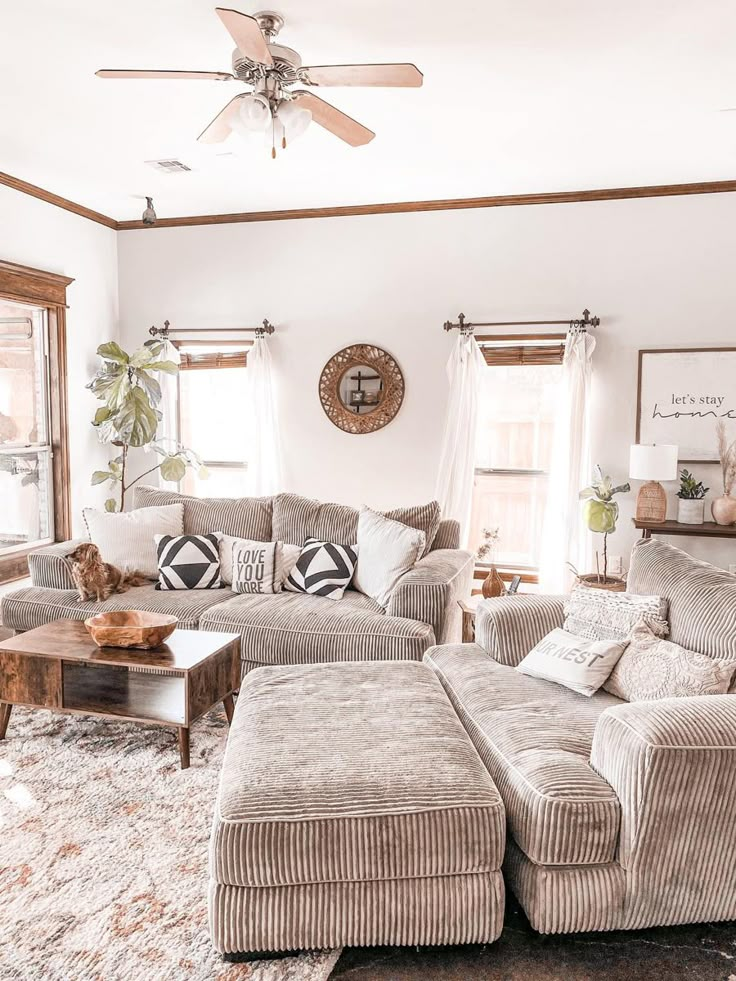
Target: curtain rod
{"x":164,"y":332}
{"x":581,"y":324}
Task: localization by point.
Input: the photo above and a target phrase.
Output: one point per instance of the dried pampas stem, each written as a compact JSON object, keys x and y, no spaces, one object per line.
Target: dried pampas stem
{"x":727,"y":454}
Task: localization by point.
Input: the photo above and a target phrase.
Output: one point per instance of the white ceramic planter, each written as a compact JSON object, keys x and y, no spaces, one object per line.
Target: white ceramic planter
{"x":690,"y":512}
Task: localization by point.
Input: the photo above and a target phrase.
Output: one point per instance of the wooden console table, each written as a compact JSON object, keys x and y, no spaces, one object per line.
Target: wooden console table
{"x":709,"y":529}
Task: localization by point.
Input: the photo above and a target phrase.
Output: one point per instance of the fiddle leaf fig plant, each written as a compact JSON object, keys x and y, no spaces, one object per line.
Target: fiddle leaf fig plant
{"x":600,"y":511}
{"x":129,"y":417}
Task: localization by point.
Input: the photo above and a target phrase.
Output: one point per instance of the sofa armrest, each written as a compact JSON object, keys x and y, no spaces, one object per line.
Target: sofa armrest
{"x":429,"y":592}
{"x":672,"y":764}
{"x":50,"y":568}
{"x":510,"y":626}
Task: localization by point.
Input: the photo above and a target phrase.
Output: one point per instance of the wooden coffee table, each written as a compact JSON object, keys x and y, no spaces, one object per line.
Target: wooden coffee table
{"x":60,"y":667}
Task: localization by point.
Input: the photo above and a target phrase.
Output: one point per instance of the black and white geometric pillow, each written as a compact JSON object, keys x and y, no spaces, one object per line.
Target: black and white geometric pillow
{"x":323,"y":569}
{"x":188,"y":561}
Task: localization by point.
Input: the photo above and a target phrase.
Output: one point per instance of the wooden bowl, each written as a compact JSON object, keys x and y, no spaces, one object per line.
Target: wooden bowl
{"x":130,"y":628}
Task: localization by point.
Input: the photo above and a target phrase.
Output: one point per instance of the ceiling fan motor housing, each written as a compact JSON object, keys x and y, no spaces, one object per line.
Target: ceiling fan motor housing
{"x":286,"y":65}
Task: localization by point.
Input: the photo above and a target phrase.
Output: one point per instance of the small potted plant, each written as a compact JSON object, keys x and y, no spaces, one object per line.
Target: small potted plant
{"x":600,"y":512}
{"x":492,"y":584}
{"x":690,"y":504}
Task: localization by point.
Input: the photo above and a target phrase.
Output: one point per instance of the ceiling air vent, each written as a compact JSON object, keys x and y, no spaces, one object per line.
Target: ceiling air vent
{"x":169,"y":166}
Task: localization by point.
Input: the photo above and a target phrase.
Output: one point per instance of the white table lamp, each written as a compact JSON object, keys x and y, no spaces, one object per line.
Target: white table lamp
{"x":652,"y":463}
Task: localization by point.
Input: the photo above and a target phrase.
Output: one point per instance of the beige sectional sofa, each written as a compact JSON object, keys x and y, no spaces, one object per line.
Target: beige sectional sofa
{"x":285,"y":628}
{"x":620,"y":815}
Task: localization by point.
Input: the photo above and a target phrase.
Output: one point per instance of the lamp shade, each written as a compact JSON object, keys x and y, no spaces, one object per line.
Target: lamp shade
{"x":656,"y":461}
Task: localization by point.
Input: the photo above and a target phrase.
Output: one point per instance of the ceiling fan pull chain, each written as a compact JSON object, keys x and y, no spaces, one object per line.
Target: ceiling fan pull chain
{"x":273,"y":138}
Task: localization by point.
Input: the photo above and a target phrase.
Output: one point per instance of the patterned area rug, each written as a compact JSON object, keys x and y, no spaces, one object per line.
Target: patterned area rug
{"x":103,"y":855}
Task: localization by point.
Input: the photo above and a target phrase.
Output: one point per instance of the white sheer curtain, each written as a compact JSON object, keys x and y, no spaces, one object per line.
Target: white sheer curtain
{"x":565,"y":537}
{"x":167,"y":433}
{"x":454,"y":489}
{"x":263,"y":446}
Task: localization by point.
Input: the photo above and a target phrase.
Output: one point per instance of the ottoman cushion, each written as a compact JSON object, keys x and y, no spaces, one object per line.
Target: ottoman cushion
{"x":351,"y":772}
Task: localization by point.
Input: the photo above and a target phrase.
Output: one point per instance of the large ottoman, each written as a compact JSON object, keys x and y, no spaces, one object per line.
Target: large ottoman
{"x":353,"y":810}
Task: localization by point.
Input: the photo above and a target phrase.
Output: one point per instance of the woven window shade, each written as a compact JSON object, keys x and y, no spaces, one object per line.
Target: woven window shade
{"x":208,"y":362}
{"x":523,"y":354}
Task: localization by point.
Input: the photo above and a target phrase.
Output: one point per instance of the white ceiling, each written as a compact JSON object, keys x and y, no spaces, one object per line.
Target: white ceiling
{"x":519,"y":96}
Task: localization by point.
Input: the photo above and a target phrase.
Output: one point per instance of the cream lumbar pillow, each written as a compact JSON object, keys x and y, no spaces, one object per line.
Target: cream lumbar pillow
{"x":387,"y":550}
{"x":126,"y":538}
{"x":652,"y":668}
{"x":597,"y":614}
{"x":579,"y":664}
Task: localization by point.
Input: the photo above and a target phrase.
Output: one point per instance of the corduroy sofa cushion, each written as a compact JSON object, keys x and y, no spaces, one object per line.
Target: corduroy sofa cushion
{"x":294,"y":628}
{"x":535,"y":738}
{"x":351,"y":772}
{"x":702,"y":598}
{"x":241,"y":517}
{"x":33,"y":607}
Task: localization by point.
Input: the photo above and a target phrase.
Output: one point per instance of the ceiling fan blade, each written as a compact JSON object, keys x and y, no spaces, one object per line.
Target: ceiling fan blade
{"x":398,"y":76}
{"x":246,"y":33}
{"x":219,"y":129}
{"x":134,"y":73}
{"x":338,"y":123}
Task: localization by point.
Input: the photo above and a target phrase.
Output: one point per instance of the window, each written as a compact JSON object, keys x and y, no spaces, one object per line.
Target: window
{"x":34,"y":475}
{"x":514,"y":446}
{"x":211,"y":387}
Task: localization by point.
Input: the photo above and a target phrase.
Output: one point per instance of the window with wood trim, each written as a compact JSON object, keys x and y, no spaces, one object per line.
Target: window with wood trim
{"x":34,"y":452}
{"x":212,"y":379}
{"x":514,"y":447}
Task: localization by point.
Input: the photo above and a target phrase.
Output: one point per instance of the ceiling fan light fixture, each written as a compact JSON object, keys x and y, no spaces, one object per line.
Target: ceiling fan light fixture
{"x":294,"y":120}
{"x":255,"y":113}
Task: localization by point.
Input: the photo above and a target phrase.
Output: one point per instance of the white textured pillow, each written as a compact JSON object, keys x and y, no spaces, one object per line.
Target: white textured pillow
{"x":387,"y":549}
{"x":126,"y":539}
{"x":580,"y":664}
{"x":653,"y":668}
{"x":255,"y":567}
{"x":597,"y":614}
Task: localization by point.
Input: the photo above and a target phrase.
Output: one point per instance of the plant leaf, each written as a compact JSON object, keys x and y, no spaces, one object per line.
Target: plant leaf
{"x":102,"y":415}
{"x":113,"y":352}
{"x":149,"y":384}
{"x":100,"y":476}
{"x":111,"y":504}
{"x":136,"y":421}
{"x":173,"y":468}
{"x":168,"y":367}
{"x":203,"y":473}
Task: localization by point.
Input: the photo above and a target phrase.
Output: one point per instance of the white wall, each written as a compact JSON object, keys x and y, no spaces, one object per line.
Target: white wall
{"x":37,"y":234}
{"x":659,"y":272}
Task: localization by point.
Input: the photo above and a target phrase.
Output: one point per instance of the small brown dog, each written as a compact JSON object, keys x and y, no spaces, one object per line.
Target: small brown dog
{"x":96,"y":579}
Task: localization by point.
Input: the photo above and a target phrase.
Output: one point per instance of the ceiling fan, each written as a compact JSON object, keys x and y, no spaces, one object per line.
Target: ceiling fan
{"x":272,"y":70}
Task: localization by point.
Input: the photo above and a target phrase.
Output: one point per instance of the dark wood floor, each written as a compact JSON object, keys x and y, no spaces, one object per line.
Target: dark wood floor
{"x":705,"y":952}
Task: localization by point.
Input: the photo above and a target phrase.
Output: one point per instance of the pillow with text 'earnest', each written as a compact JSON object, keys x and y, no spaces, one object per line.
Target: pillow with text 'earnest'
{"x":574,"y":662}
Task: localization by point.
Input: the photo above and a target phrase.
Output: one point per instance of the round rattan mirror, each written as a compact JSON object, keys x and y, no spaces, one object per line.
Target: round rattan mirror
{"x":361,"y":388}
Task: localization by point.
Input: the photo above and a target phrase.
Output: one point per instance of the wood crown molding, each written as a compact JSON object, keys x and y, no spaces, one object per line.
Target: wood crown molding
{"x":50,"y":198}
{"x":25,"y":284}
{"x":448,"y":204}
{"x":391,"y":208}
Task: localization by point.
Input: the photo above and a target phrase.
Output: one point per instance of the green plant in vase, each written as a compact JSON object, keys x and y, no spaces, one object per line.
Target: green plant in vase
{"x":128,"y":386}
{"x":600,"y":513}
{"x":690,"y":506}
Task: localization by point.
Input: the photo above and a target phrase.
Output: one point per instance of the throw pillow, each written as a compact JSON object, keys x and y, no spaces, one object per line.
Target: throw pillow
{"x":188,"y":562}
{"x":323,"y":568}
{"x":579,"y":664}
{"x":244,"y":517}
{"x":386,"y":551}
{"x":126,"y":539}
{"x":255,"y":567}
{"x":286,"y":556}
{"x":599,"y":615}
{"x":423,"y":517}
{"x":654,"y":668}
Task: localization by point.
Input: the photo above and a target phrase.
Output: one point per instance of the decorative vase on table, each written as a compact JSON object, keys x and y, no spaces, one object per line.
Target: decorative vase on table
{"x":723,"y":510}
{"x":493,"y":584}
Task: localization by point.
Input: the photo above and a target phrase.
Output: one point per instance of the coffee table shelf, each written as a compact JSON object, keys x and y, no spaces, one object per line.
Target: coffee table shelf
{"x":59,"y":667}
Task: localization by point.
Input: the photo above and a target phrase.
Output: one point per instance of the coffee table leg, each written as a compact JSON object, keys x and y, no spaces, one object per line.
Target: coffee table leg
{"x":5,"y":710}
{"x":229,"y":707}
{"x":184,"y":746}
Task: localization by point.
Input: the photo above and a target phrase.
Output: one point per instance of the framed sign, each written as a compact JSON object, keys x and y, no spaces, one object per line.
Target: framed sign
{"x":682,"y":394}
